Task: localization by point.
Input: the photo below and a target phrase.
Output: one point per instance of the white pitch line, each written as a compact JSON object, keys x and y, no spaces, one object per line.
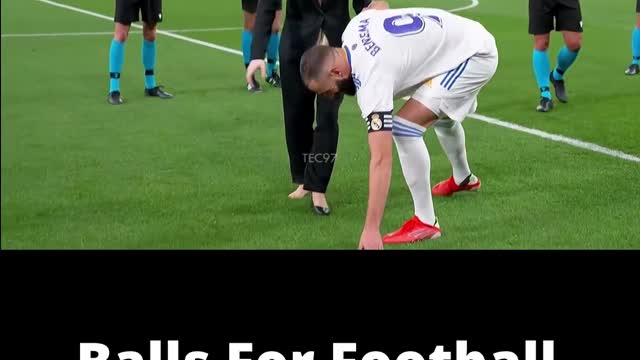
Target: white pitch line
{"x":474,"y":3}
{"x":96,"y":33}
{"x":545,"y":135}
{"x":558,"y":138}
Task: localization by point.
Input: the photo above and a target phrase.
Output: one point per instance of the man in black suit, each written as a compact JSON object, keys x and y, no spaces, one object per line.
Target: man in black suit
{"x":307,"y":23}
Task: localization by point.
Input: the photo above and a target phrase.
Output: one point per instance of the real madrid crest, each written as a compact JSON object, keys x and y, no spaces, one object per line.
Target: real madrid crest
{"x":376,"y":122}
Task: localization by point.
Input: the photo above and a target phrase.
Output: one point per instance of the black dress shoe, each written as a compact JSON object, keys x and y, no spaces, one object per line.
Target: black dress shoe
{"x":319,"y":210}
{"x":157,"y":92}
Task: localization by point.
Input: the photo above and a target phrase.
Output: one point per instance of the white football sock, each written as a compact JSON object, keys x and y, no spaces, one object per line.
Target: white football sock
{"x":451,"y":136}
{"x":416,"y":166}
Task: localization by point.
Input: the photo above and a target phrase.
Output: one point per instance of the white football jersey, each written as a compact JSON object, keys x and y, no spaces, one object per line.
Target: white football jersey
{"x":392,"y":52}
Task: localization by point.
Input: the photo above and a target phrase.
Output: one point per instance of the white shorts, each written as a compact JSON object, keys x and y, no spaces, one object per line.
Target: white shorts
{"x":454,"y":94}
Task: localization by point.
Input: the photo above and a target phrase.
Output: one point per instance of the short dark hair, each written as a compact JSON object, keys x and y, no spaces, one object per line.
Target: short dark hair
{"x":312,"y":62}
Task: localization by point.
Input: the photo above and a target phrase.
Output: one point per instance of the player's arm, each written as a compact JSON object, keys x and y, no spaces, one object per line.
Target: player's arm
{"x":375,"y":99}
{"x":381,"y":156}
{"x":380,"y":164}
{"x":359,"y":5}
{"x":265,"y":14}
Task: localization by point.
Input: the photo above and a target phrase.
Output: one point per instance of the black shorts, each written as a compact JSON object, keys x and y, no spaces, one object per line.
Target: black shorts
{"x":561,"y":15}
{"x":251,"y":6}
{"x":638,"y":6}
{"x":128,"y":11}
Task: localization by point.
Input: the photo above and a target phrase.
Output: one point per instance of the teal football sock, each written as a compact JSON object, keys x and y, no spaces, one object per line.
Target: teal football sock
{"x":149,"y":63}
{"x":635,"y":45}
{"x":116,"y":59}
{"x":542,"y":68}
{"x":247,"y":38}
{"x":566,"y":58}
{"x":272,"y":52}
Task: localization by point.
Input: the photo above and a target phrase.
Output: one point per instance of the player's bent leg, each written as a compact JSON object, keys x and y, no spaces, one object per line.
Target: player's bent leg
{"x":634,"y":68}
{"x":541,"y":69}
{"x":455,"y":99}
{"x":149,"y":49}
{"x":116,"y":60}
{"x":452,"y":139}
{"x":408,"y":129}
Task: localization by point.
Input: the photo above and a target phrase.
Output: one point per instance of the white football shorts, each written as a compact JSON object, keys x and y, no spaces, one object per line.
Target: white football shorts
{"x":454,"y":94}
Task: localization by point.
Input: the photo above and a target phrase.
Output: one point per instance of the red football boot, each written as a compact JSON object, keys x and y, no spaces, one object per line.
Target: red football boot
{"x":412,"y":231}
{"x":449,"y":186}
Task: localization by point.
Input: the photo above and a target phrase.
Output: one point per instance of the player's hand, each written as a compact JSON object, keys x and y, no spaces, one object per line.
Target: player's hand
{"x":377,"y":5}
{"x":254,"y":65}
{"x":370,"y":240}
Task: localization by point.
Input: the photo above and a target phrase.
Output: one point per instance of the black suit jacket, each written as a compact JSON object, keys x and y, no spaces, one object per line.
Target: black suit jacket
{"x":303,"y":22}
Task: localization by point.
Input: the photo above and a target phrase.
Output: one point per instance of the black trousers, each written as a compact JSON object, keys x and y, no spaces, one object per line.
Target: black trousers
{"x":312,"y":152}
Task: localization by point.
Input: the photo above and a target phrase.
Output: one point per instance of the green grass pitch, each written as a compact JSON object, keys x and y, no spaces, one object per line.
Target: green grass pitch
{"x":209,"y":170}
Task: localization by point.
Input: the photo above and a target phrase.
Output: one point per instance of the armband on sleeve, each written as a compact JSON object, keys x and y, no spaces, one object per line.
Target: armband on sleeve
{"x":379,"y":121}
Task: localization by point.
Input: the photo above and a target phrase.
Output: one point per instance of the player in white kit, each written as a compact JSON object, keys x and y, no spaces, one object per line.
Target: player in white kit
{"x":442,"y":60}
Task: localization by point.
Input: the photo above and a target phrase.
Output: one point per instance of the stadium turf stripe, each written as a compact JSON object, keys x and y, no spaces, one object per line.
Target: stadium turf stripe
{"x":493,"y":121}
{"x":137,"y":26}
{"x":558,"y":138}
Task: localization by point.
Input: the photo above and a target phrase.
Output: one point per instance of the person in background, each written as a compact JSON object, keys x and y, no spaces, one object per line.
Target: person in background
{"x":249,"y":8}
{"x":544,"y":16}
{"x":634,"y":68}
{"x":311,"y":151}
{"x":128,"y":11}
